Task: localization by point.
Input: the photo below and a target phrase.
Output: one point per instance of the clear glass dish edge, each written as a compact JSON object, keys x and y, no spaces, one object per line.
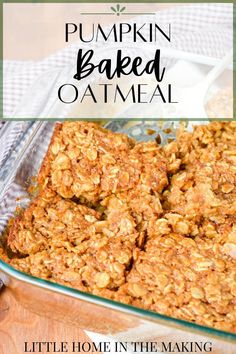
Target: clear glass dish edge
{"x":145,"y":314}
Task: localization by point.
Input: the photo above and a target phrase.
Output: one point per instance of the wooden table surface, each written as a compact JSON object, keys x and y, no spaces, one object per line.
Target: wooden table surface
{"x":18,"y":325}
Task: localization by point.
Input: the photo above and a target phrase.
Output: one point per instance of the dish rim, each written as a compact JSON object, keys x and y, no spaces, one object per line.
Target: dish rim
{"x":91,"y":298}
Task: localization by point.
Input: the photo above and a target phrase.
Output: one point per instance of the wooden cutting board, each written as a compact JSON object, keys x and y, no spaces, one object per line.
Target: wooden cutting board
{"x":18,"y":325}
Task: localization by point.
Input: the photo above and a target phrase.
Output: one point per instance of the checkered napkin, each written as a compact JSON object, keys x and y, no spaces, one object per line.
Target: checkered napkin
{"x":205,"y":29}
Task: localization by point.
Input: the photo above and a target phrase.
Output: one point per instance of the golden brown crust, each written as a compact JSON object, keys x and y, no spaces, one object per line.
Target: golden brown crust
{"x":191,"y":279}
{"x":87,"y":161}
{"x":164,"y":237}
{"x":63,"y":240}
{"x":46,"y":220}
{"x":205,"y":187}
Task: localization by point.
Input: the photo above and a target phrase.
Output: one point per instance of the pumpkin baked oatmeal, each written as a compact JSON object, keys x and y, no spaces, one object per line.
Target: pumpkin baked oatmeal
{"x":191,"y":279}
{"x":64,"y":241}
{"x":87,"y":161}
{"x":148,"y":225}
{"x":205,"y":187}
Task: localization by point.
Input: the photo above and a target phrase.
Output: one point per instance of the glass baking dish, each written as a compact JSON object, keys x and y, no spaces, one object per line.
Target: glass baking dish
{"x":115,"y":320}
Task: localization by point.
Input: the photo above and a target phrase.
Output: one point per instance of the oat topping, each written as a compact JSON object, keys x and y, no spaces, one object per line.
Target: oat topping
{"x":85,"y":160}
{"x":70,"y":242}
{"x":191,"y":279}
{"x":151,"y":226}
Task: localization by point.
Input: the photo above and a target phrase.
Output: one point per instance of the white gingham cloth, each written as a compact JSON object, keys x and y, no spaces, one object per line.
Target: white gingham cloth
{"x":205,"y":29}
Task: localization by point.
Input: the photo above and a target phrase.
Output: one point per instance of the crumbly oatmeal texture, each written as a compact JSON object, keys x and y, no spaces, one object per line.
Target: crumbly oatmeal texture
{"x":88,"y":161}
{"x":151,"y":226}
